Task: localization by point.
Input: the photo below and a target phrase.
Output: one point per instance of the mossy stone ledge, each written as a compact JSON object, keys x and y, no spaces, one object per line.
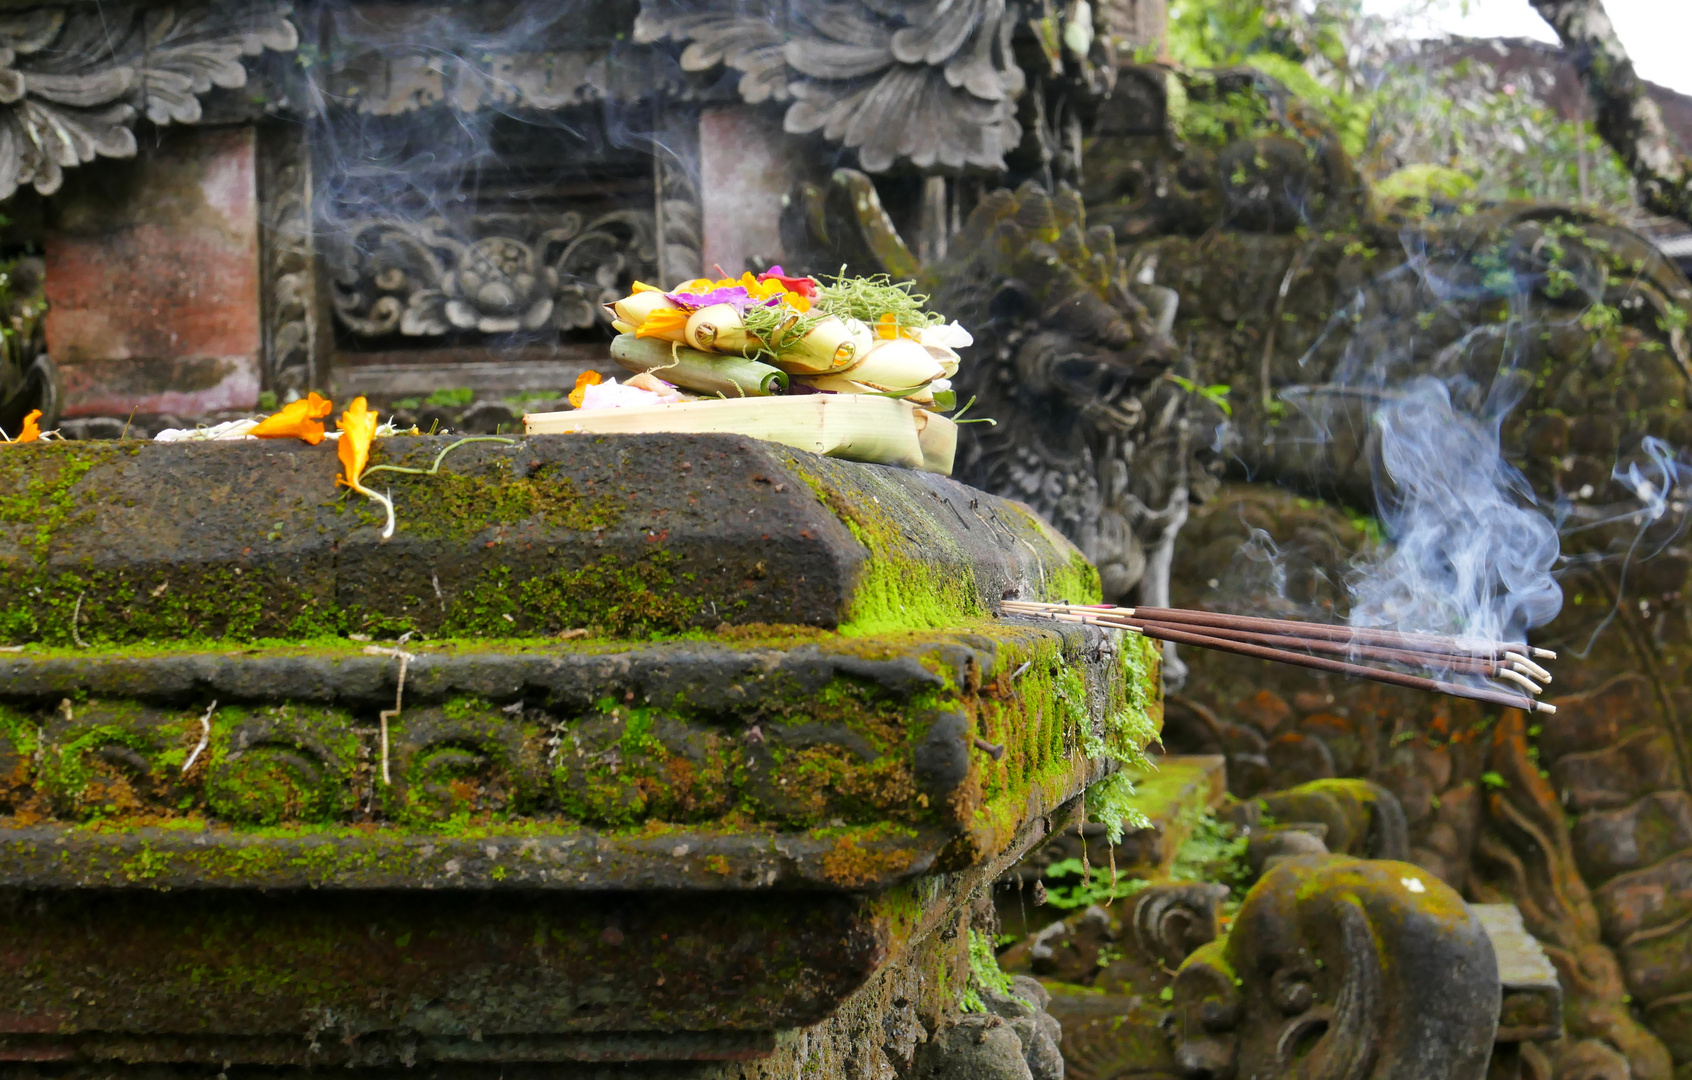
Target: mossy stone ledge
{"x":704,"y":746}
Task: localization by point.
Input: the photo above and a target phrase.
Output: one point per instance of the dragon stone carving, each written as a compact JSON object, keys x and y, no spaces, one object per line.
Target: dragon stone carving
{"x":74,"y":80}
{"x":1071,"y":364}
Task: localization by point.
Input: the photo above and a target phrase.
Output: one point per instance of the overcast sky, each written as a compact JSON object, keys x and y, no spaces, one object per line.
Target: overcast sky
{"x":1657,"y":33}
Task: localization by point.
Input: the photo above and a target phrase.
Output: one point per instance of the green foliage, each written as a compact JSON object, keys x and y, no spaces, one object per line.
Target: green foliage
{"x":455,"y":398}
{"x":984,"y":973}
{"x":1216,"y":394}
{"x":1424,"y":126}
{"x":1492,"y":781}
{"x":1088,"y":889}
{"x":1305,"y":48}
{"x":1110,"y":803}
{"x":23,"y":321}
{"x":1212,"y":852}
{"x":1499,"y":133}
{"x":1426,"y":181}
{"x":867,"y":299}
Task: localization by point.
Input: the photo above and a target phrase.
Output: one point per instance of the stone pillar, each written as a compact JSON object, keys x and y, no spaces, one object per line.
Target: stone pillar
{"x":746,"y":169}
{"x":153,"y":278}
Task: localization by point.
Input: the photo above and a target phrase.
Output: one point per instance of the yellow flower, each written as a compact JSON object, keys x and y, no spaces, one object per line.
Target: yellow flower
{"x":301,"y":419}
{"x":358,"y":428}
{"x":887,"y":328}
{"x":31,"y":429}
{"x":667,"y":323}
{"x":583,"y":381}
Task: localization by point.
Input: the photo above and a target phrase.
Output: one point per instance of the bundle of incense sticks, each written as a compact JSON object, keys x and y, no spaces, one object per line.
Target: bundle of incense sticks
{"x":1319,"y":646}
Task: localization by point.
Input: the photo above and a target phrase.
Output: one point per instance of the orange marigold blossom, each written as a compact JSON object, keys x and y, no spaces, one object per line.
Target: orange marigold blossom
{"x":358,"y":429}
{"x":31,"y":429}
{"x":302,"y":419}
{"x":583,"y":381}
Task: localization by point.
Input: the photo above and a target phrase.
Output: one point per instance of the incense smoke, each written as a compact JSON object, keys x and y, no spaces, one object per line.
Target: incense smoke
{"x":1471,"y":553}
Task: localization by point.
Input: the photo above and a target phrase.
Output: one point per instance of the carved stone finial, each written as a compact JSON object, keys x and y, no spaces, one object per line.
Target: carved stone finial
{"x":74,"y":80}
{"x":1341,"y":969}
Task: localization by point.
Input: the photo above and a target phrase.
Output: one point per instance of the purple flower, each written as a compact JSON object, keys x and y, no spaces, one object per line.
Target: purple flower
{"x":735,"y":295}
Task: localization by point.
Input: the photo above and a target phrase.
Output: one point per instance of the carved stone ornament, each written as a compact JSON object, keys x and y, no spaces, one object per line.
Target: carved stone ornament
{"x":505,"y":273}
{"x":73,"y":80}
{"x":933,"y":83}
{"x":1340,"y":969}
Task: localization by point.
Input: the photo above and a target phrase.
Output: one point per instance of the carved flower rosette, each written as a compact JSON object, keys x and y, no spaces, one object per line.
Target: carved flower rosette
{"x":495,"y":274}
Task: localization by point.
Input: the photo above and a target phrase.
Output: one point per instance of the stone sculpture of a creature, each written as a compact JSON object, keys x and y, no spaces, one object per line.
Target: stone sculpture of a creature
{"x":1092,"y":431}
{"x":1340,"y":969}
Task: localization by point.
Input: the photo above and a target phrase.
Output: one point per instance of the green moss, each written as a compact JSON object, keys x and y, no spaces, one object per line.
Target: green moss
{"x":614,"y":596}
{"x":449,"y":505}
{"x":984,"y":973}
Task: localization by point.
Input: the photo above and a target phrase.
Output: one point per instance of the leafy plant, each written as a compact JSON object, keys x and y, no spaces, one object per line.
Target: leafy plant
{"x":1088,"y":889}
{"x":1216,"y":394}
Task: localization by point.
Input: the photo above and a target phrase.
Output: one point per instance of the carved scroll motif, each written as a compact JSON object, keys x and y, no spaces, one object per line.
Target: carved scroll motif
{"x":933,"y":83}
{"x":73,"y":81}
{"x":504,"y":274}
{"x":289,"y":265}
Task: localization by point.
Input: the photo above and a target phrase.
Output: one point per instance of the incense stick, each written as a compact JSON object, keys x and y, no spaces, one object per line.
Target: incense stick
{"x":1398,"y":639}
{"x":1238,"y":640}
{"x":1467,"y":664}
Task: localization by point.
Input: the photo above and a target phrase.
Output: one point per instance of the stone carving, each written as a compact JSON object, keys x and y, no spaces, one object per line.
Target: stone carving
{"x":502,"y":274}
{"x":281,"y":765}
{"x":1070,"y":363}
{"x":74,"y":79}
{"x":1016,"y":1037}
{"x":1173,"y":919}
{"x":410,"y":77}
{"x":1526,"y":854}
{"x":1125,"y":956}
{"x":933,"y":83}
{"x":462,"y":761}
{"x":1340,"y":968}
{"x":289,"y":266}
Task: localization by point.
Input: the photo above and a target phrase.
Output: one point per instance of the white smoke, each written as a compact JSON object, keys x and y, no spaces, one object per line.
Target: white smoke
{"x":1470,"y":552}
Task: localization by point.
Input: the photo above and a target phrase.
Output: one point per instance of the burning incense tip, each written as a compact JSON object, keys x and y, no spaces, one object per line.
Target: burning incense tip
{"x":1543,"y":654}
{"x":1520,"y":680}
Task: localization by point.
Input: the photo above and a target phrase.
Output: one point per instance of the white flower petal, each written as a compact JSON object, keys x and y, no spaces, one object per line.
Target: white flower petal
{"x":950,"y":336}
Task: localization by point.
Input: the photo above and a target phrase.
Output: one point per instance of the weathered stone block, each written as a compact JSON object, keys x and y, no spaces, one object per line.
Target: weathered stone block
{"x":153,"y":278}
{"x":623,"y":535}
{"x":1611,"y":842}
{"x":752,"y":793}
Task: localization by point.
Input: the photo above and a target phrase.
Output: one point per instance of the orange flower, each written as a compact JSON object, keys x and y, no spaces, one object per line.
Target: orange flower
{"x":31,"y":429}
{"x":667,"y":323}
{"x":583,"y":381}
{"x":358,"y":428}
{"x":301,"y":419}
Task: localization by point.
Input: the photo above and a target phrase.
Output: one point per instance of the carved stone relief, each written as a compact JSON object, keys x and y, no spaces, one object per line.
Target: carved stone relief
{"x":411,"y":78}
{"x":74,"y":80}
{"x":500,"y":273}
{"x":933,"y":83}
{"x":293,"y":353}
